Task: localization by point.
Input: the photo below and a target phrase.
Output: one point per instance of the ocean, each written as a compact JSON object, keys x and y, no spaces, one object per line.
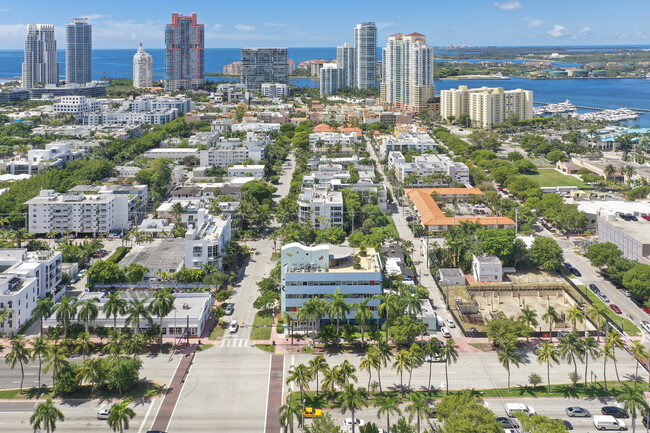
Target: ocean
{"x":602,"y":93}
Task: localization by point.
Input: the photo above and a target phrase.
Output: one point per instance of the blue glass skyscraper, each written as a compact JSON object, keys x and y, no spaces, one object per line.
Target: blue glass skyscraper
{"x":78,"y":51}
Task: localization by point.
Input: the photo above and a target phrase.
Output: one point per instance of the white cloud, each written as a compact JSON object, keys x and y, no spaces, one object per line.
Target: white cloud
{"x":585,"y":30}
{"x":4,"y":10}
{"x":381,"y":26}
{"x":508,"y":6}
{"x":558,"y":31}
{"x":274,"y":24}
{"x":118,"y":34}
{"x":217,"y":26}
{"x":534,"y":22}
{"x":641,"y":34}
{"x":11,"y":31}
{"x":93,"y":17}
{"x":244,"y":27}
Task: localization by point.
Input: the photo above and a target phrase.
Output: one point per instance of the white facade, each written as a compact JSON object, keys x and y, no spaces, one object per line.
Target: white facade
{"x":406,"y":142}
{"x":318,"y":271}
{"x":142,"y":69}
{"x":332,"y":139}
{"x":207,"y":139}
{"x":159,"y":103}
{"x":40,"y":65}
{"x":345,"y":59}
{"x":428,"y":165}
{"x":331,"y":79}
{"x":321,"y":207}
{"x":255,"y":171}
{"x":55,"y":154}
{"x":487,"y":269}
{"x":486,"y":106}
{"x":76,"y":105}
{"x":407,"y":71}
{"x":26,"y":278}
{"x":226,"y":153}
{"x":174,"y":153}
{"x":206,"y":241}
{"x":122,"y":117}
{"x":255,"y":127}
{"x":365,"y":46}
{"x":78,"y":213}
{"x":275,"y":90}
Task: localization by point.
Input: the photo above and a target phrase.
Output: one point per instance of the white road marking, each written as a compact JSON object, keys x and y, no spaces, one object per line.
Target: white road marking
{"x":268,"y":387}
{"x":146,"y":416}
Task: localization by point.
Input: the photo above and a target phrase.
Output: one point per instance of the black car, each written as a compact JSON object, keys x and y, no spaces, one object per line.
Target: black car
{"x":473,"y":330}
{"x":646,"y":420}
{"x":507,"y":422}
{"x":614,"y":411}
{"x":576,"y":272}
{"x":433,"y":412}
{"x":566,"y":423}
{"x":594,"y":288}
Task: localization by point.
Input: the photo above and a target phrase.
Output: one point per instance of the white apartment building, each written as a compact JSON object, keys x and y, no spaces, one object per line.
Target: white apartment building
{"x":135,"y":196}
{"x":124,"y":117}
{"x":208,"y":139}
{"x":255,"y":171}
{"x":428,"y":165}
{"x":255,"y":127}
{"x":406,"y":142}
{"x":407,"y":66}
{"x":226,"y":153}
{"x":308,"y":272}
{"x":486,"y":106}
{"x":321,"y":207}
{"x":78,"y":213}
{"x":159,"y":103}
{"x":332,"y":139}
{"x":26,"y":277}
{"x":55,"y":154}
{"x":275,"y":90}
{"x":76,"y":105}
{"x":487,"y":269}
{"x":331,"y":79}
{"x":206,"y":241}
{"x":142,"y":69}
{"x":174,"y":153}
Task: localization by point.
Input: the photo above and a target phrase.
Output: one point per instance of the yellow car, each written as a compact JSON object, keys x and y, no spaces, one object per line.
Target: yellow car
{"x":311,"y":412}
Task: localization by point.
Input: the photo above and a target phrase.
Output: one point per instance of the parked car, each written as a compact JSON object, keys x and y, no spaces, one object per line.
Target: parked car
{"x":103,"y":414}
{"x":576,"y":411}
{"x":603,"y":296}
{"x":445,"y":332}
{"x":645,"y":217}
{"x":450,"y":323}
{"x":230,"y":308}
{"x":433,"y":412}
{"x":615,"y":308}
{"x":311,"y":412}
{"x":645,"y":325}
{"x":472,"y":330}
{"x":566,"y":423}
{"x":614,"y":411}
{"x":409,"y":219}
{"x":348,"y":422}
{"x":594,"y":288}
{"x":232,"y":328}
{"x":507,"y":422}
{"x":626,"y":292}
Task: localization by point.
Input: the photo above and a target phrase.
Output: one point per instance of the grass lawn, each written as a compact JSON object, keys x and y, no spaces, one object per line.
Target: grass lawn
{"x":142,"y":390}
{"x":266,"y":347}
{"x":218,"y":330}
{"x":552,"y":177}
{"x":262,"y":327}
{"x":629,"y":327}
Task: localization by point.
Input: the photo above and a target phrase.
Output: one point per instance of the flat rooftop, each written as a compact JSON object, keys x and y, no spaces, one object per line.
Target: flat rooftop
{"x":613,"y":206}
{"x":168,"y":254}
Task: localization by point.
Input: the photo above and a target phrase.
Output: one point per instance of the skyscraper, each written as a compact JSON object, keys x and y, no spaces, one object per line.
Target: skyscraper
{"x":184,"y":53}
{"x":407,"y":71}
{"x":79,"y":51}
{"x":264,"y":65}
{"x":365,"y":46}
{"x":40,"y":65}
{"x":331,"y":79}
{"x":142,"y":69}
{"x":345,"y":59}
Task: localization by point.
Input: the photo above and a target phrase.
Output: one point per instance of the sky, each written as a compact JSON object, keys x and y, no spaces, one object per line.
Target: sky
{"x":326,"y":23}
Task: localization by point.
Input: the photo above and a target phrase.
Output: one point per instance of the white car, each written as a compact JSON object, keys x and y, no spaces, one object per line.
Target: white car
{"x":645,"y":325}
{"x":348,"y":422}
{"x":232,"y":328}
{"x":230,"y":308}
{"x":445,"y":332}
{"x":450,"y":323}
{"x":103,"y":414}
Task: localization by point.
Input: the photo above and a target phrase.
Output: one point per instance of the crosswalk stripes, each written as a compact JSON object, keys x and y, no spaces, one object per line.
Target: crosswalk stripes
{"x":234,"y":342}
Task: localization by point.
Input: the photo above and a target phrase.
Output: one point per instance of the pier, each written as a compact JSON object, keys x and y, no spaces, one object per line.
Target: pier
{"x":640,"y":110}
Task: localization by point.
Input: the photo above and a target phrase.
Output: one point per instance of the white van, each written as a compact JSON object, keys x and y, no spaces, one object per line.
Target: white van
{"x":513,"y":408}
{"x":608,"y":422}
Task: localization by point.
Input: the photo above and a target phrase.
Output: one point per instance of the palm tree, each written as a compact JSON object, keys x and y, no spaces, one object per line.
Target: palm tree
{"x":418,"y":408}
{"x":55,"y":359}
{"x":547,"y":354}
{"x":88,"y":311}
{"x":387,"y":404}
{"x":301,"y":375}
{"x":330,"y":380}
{"x":551,"y":316}
{"x":411,"y":304}
{"x":509,"y":355}
{"x":416,"y":359}
{"x":344,"y":373}
{"x":638,"y":352}
{"x":45,"y":416}
{"x":91,"y":371}
{"x":289,"y":412}
{"x":570,"y":348}
{"x":590,"y":350}
{"x":607,"y":353}
{"x":614,"y":340}
{"x":402,"y":362}
{"x":65,"y":312}
{"x":177,"y":210}
{"x":337,"y":307}
{"x":381,"y":351}
{"x":84,"y":344}
{"x":133,"y":345}
{"x":137,"y":309}
{"x":431,"y":349}
{"x":161,"y":305}
{"x":43,"y":309}
{"x":288,"y":319}
{"x":609,"y":171}
{"x":19,"y":354}
{"x":367,"y":364}
{"x":575,"y":315}
{"x":633,"y":402}
{"x":363,"y":316}
{"x":120,"y":416}
{"x":114,"y":306}
{"x":388,"y":304}
{"x":114,"y":345}
{"x":310,"y":311}
{"x":39,"y":348}
{"x":597,"y":313}
{"x":529,"y":317}
{"x":450,"y":353}
{"x":317,"y":364}
{"x":352,"y":398}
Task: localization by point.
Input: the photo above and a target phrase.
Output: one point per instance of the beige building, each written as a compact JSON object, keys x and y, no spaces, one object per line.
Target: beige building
{"x":486,"y":106}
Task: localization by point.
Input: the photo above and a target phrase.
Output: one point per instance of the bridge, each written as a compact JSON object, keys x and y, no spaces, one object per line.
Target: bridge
{"x":640,"y":110}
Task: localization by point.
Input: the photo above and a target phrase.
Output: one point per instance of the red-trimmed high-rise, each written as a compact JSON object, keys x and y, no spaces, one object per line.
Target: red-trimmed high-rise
{"x":184,"y":64}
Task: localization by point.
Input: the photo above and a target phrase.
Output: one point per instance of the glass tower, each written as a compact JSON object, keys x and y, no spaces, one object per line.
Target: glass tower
{"x":365,"y":45}
{"x":40,"y":65}
{"x":79,"y":51}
